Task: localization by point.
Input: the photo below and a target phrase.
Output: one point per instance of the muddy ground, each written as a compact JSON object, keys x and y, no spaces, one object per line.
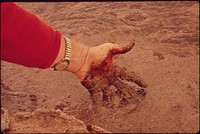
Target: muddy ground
{"x":166,"y":55}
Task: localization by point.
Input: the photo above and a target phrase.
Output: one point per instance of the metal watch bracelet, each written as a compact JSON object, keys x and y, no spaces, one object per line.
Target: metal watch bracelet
{"x":67,"y":53}
{"x":68,"y":48}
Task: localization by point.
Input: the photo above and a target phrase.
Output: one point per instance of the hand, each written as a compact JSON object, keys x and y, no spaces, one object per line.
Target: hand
{"x":84,"y":58}
{"x":103,"y":75}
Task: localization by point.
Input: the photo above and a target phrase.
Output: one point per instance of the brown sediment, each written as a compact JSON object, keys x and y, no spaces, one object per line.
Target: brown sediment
{"x":163,"y":56}
{"x":5,"y":120}
{"x":100,"y":79}
{"x":45,"y":121}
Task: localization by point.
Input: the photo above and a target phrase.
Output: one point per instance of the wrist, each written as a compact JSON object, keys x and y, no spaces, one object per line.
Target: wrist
{"x":79,"y":55}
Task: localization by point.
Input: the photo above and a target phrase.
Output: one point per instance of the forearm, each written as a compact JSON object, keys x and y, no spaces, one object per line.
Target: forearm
{"x":27,"y":40}
{"x":61,"y":53}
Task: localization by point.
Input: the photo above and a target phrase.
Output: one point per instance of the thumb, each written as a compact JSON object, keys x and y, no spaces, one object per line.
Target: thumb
{"x":112,"y":50}
{"x":122,"y":50}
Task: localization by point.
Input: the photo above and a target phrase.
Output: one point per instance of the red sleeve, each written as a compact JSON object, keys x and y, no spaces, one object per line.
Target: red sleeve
{"x":25,"y":39}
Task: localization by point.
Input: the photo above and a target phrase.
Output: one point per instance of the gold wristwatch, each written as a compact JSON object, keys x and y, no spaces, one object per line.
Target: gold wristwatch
{"x":63,"y":64}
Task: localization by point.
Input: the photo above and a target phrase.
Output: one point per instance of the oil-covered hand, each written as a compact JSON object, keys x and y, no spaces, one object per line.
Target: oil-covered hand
{"x":103,"y":74}
{"x":95,"y":69}
{"x":84,"y":58}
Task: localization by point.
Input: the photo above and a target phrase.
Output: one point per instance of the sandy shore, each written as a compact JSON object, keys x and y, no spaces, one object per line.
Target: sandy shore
{"x":166,"y":55}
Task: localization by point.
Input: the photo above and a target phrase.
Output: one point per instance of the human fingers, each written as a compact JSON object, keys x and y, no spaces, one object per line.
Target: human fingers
{"x":122,"y":49}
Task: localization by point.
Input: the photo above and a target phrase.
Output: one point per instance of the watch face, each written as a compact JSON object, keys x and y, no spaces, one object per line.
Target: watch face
{"x":62,"y":66}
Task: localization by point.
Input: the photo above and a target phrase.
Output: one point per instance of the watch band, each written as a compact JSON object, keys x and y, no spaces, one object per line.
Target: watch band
{"x":67,"y":55}
{"x":68,"y":48}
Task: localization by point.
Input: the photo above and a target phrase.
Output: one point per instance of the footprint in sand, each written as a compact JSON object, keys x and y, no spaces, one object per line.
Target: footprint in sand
{"x":134,"y":18}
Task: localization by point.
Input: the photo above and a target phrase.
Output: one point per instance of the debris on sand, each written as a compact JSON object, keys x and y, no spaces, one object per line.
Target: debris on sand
{"x":45,"y":121}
